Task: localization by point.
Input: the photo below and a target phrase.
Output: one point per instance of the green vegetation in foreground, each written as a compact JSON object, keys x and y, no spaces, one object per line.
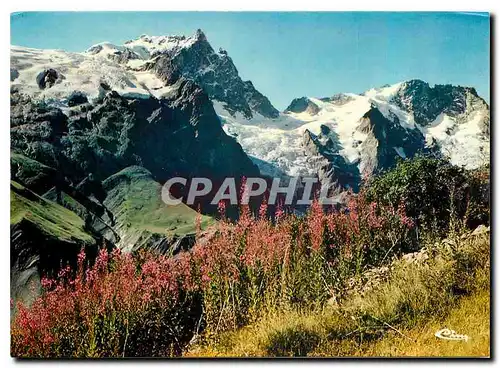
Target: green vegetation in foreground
{"x":135,"y":199}
{"x":51,"y":218}
{"x":398,"y":317}
{"x":435,"y":193}
{"x":336,"y":283}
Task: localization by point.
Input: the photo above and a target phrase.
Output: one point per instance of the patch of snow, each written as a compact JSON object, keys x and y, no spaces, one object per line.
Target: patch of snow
{"x":382,"y":99}
{"x":136,"y":63}
{"x":464,"y":144}
{"x":104,"y":48}
{"x":400,"y":151}
{"x":384,"y":93}
{"x":159,"y":44}
{"x":82,"y":72}
{"x":441,"y":127}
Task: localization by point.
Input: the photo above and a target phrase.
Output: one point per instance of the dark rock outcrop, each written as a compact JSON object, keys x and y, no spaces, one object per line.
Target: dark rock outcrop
{"x":77,"y":98}
{"x":124,"y":56}
{"x":14,"y":73}
{"x":426,"y":102}
{"x":386,"y":141}
{"x":32,"y":174}
{"x":48,"y":77}
{"x":333,"y":169}
{"x":302,"y":104}
{"x":338,"y":99}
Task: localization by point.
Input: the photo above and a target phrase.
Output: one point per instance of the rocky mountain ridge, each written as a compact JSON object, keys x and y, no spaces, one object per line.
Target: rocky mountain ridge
{"x":173,"y":57}
{"x":361,"y":134}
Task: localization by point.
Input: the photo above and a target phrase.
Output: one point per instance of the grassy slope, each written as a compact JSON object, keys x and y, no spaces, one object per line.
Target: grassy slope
{"x":51,"y":218}
{"x":135,"y":199}
{"x":416,"y":306}
{"x":470,"y":316}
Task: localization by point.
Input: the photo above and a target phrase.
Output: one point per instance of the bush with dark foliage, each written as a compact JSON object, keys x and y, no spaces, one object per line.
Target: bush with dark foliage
{"x":439,"y":196}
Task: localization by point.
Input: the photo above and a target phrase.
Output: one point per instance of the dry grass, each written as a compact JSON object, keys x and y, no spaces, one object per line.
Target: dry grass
{"x":290,"y":333}
{"x":399,"y":318}
{"x":470,"y":317}
{"x":312,"y":335}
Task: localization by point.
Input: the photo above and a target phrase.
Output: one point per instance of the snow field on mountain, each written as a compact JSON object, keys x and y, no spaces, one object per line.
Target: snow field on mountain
{"x":159,"y":43}
{"x":82,"y":72}
{"x":275,"y":145}
{"x":463,"y":144}
{"x":279,"y":141}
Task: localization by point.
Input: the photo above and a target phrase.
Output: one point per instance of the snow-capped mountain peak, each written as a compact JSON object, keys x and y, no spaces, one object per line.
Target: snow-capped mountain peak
{"x":155,"y":45}
{"x":171,"y":57}
{"x":359,"y":134}
{"x":339,"y":138}
{"x":384,"y":93}
{"x":146,"y":47}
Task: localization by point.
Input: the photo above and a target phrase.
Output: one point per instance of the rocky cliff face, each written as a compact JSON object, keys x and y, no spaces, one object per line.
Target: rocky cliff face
{"x":173,"y":57}
{"x":332,"y":168}
{"x":214,"y":72}
{"x":178,"y":135}
{"x":426,"y":103}
{"x":302,"y":104}
{"x":386,"y":140}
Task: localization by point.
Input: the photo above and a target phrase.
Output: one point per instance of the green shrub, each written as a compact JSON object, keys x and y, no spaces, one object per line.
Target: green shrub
{"x":437,"y":194}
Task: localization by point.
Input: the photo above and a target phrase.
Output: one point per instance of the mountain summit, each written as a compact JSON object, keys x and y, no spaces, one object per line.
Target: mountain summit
{"x":172,"y":57}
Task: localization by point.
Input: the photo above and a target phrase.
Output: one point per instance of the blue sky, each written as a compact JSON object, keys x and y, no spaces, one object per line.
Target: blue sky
{"x":288,"y":55}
